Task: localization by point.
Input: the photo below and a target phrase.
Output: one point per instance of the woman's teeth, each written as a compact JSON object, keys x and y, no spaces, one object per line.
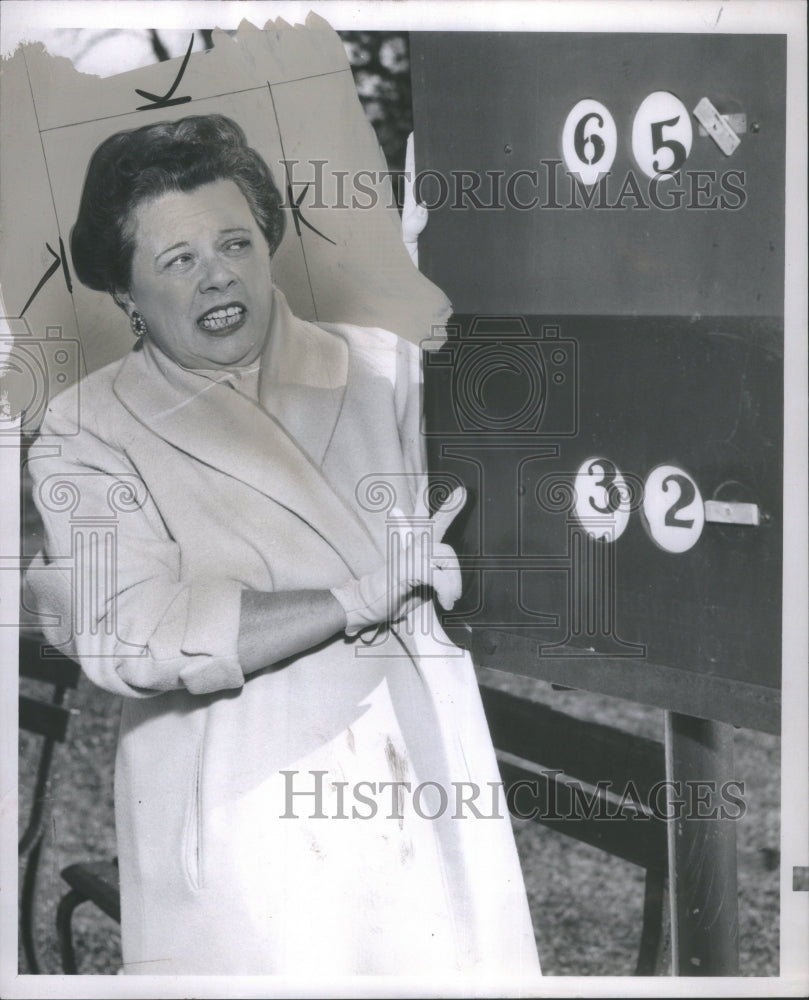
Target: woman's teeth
{"x":221,"y":318}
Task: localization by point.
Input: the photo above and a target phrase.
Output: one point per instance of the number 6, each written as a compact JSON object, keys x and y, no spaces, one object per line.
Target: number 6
{"x":589,"y":141}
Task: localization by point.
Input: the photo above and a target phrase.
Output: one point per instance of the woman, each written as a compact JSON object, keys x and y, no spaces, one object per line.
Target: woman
{"x":289,"y":797}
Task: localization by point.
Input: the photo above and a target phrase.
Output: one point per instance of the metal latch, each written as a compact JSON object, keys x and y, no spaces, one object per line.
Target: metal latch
{"x":737,"y":120}
{"x":732,"y":512}
{"x":716,"y":126}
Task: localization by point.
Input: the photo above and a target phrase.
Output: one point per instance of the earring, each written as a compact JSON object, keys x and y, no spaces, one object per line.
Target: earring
{"x":138,"y":324}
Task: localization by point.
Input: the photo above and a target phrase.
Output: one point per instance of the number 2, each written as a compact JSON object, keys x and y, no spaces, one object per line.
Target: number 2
{"x":687,"y":496}
{"x":673,"y":511}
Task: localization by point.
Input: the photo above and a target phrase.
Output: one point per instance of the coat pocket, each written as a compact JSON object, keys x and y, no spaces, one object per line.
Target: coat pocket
{"x":192,"y":838}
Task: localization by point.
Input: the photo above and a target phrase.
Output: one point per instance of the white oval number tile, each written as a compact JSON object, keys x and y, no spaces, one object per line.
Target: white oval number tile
{"x":589,"y":141}
{"x":602,"y":499}
{"x":661,"y":134}
{"x":673,"y":511}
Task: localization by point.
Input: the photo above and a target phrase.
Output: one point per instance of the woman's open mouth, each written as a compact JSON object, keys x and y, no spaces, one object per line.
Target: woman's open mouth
{"x":225,"y":319}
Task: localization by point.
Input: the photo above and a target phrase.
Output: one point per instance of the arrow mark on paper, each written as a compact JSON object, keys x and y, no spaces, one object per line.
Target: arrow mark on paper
{"x":166,"y":101}
{"x":297,"y":214}
{"x":59,"y":260}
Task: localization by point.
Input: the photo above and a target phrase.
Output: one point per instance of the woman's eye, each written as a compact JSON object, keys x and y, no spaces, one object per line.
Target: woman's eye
{"x":180,"y":261}
{"x":237,"y":246}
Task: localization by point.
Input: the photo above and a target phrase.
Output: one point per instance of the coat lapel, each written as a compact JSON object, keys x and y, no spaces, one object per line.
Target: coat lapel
{"x":304,"y":372}
{"x":276,"y":449}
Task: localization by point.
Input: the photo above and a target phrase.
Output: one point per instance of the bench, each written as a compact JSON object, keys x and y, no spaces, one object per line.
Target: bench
{"x":534,"y":743}
{"x":47,"y":717}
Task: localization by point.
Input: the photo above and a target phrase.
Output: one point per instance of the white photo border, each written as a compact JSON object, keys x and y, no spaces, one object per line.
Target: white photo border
{"x":20,"y":21}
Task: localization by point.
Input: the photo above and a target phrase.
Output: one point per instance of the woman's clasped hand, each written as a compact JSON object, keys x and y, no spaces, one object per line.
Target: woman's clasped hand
{"x":417,"y":558}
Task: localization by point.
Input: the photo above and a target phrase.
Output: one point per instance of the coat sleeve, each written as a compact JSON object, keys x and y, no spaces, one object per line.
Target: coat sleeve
{"x":408,"y":402}
{"x":408,"y":399}
{"x":108,"y":581}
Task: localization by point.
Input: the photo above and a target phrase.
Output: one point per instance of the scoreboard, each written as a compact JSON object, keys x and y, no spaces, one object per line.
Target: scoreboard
{"x":607,"y":218}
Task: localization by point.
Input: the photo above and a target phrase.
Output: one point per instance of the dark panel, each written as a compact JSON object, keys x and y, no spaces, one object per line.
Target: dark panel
{"x":488,"y":101}
{"x":751,"y":706}
{"x":702,"y":395}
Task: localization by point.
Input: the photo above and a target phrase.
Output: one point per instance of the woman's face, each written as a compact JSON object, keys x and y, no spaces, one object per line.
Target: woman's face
{"x":201,"y":276}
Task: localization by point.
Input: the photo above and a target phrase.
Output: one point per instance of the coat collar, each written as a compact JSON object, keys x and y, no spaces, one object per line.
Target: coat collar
{"x":276,"y":448}
{"x":303,"y":378}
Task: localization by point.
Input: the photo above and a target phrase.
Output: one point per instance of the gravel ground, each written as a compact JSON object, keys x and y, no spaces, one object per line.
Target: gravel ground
{"x":586,"y":905}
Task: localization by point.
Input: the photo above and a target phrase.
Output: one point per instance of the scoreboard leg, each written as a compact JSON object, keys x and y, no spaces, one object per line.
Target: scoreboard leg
{"x":702,"y":848}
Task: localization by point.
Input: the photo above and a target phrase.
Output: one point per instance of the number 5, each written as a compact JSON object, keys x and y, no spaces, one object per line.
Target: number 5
{"x":677,"y":149}
{"x":661,"y":123}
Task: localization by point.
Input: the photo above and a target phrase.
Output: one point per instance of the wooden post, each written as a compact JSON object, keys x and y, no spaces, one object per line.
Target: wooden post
{"x":702,"y":848}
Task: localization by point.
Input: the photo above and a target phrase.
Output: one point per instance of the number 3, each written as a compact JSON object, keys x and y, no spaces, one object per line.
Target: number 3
{"x":602,"y":499}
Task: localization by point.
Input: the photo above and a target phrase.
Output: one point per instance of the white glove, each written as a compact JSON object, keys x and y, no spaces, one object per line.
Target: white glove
{"x":418,"y":558}
{"x":414,"y":215}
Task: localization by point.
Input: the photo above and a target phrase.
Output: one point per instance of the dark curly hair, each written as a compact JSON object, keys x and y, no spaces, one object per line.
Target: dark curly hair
{"x":145,"y":162}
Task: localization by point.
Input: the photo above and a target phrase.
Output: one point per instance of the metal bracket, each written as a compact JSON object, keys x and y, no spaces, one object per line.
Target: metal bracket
{"x":737,"y":121}
{"x":717,"y":126}
{"x":732,"y":512}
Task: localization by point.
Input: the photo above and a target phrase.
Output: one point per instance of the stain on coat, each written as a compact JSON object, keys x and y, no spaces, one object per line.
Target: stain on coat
{"x":398,"y":770}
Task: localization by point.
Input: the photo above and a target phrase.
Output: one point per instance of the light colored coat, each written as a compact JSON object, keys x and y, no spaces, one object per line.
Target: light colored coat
{"x":217,"y":874}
